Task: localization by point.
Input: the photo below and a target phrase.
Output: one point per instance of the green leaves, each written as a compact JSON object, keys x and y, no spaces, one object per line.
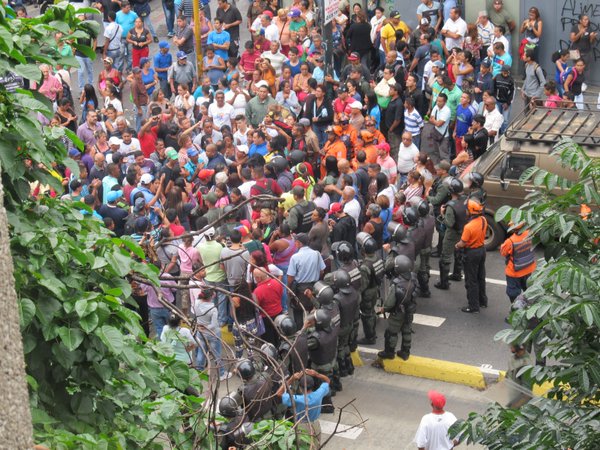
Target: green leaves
{"x":71,"y":337}
{"x":26,"y":311}
{"x":112,"y":338}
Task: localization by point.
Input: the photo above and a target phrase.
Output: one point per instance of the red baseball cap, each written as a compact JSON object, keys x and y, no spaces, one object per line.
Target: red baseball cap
{"x":384,"y":146}
{"x":243,"y":230}
{"x":335,"y":208}
{"x":438,"y":401}
{"x":268,"y":13}
{"x":206,"y":174}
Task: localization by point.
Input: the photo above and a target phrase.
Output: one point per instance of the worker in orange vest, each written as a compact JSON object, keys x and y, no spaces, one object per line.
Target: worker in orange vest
{"x":520,"y":261}
{"x":333,"y":147}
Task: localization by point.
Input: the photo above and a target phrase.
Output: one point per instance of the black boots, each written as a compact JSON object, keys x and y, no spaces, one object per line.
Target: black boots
{"x":404,"y":354}
{"x":443,"y":283}
{"x":388,"y":353}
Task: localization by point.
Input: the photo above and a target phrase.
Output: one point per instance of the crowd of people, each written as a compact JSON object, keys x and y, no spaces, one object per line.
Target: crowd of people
{"x":263,"y":181}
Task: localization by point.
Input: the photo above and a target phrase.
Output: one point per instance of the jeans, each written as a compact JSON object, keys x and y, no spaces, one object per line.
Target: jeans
{"x":159,"y":317}
{"x":140,"y":117}
{"x":165,"y":87}
{"x":85,"y":73}
{"x":321,"y":134}
{"x":148,"y":25}
{"x":126,"y":54}
{"x":221,"y":302}
{"x":169,"y":17}
{"x":117,"y":57}
{"x":209,"y":348}
{"x":285,"y":292}
{"x":506,"y":114}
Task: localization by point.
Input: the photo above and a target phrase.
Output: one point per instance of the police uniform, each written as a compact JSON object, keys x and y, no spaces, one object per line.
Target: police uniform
{"x":353,"y":269}
{"x":520,"y":262}
{"x":348,"y":301}
{"x":372,"y":272}
{"x":294,"y":354}
{"x":300,"y":216}
{"x":439,"y":194}
{"x":423,"y":271}
{"x":257,"y":397}
{"x":474,"y":236}
{"x":322,"y":349}
{"x":455,"y":217}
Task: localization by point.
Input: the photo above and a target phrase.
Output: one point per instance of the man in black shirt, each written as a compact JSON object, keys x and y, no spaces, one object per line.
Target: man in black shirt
{"x":341,"y":225}
{"x":394,"y":120}
{"x":116,"y":213}
{"x":231,"y":19}
{"x":477,"y":137}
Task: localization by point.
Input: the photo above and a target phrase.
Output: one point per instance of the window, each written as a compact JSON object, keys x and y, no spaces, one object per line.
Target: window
{"x":516,"y":164}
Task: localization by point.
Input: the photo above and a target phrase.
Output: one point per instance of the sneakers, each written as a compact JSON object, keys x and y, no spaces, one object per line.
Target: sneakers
{"x":170,"y":35}
{"x":468,"y":310}
{"x":155,"y":40}
{"x":226,"y":376}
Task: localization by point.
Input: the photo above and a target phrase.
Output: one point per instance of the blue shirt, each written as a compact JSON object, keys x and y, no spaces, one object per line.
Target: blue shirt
{"x":260,"y":149}
{"x":219,"y":39}
{"x":375,"y":113}
{"x":464,"y":118}
{"x":306,"y":265}
{"x":500,"y":61}
{"x":311,"y":401}
{"x":215,"y":161}
{"x":148,"y":196}
{"x":163,"y":62}
{"x":127,"y":21}
{"x":147,"y":79}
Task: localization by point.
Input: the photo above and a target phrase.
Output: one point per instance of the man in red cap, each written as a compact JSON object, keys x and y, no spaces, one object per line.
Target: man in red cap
{"x":387,"y":163}
{"x":432,"y":433}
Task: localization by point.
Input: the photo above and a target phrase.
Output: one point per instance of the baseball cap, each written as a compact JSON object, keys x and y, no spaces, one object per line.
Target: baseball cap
{"x":506,"y":68}
{"x":181,"y":54}
{"x":498,"y":2}
{"x":438,"y":64}
{"x":172,"y":153}
{"x":205,"y":174}
{"x":395,"y":15}
{"x":192,"y":152}
{"x":302,"y":238}
{"x":221,"y":177}
{"x":356,"y":105}
{"x":383,"y":146}
{"x":262,"y":83}
{"x":294,"y":13}
{"x":269,"y":14}
{"x":335,"y":208}
{"x":438,"y":400}
{"x":143,"y":61}
{"x":108,"y":60}
{"x":163,"y":44}
{"x":486,"y":63}
{"x":482,"y":14}
{"x":342,"y":89}
{"x":243,"y":148}
{"x":424,"y":21}
{"x":304,"y":122}
{"x":139,"y":205}
{"x":74,"y":152}
{"x":114,"y":141}
{"x":113,"y":196}
{"x":146,"y":178}
{"x":319,"y":59}
{"x":443,"y":164}
{"x":243,"y":229}
{"x":211,"y":197}
{"x":353,"y":56}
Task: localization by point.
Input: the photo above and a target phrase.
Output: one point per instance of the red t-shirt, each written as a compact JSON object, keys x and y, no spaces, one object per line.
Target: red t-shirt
{"x":177,"y":230}
{"x":148,"y":142}
{"x":268,"y":295}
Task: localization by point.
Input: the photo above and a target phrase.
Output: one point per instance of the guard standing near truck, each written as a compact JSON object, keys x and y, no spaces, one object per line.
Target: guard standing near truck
{"x":520,"y":261}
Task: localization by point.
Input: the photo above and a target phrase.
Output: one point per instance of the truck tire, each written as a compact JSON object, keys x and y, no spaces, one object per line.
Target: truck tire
{"x":494,"y":235}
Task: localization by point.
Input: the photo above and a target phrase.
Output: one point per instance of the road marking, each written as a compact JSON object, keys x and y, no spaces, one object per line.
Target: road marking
{"x":429,"y":321}
{"x":487,"y":280}
{"x":372,"y":351}
{"x":344,"y":431}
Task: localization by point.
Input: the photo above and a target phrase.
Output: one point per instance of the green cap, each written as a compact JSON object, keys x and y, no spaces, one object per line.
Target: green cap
{"x":172,"y":153}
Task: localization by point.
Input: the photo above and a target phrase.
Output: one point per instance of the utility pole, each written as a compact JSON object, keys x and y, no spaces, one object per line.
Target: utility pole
{"x":198,"y":37}
{"x":325,"y":25}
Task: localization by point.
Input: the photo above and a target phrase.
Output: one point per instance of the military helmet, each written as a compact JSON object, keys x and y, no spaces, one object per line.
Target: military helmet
{"x":423,"y":208}
{"x":343,"y":251}
{"x":229,"y":407}
{"x":341,"y":279}
{"x":322,"y":319}
{"x":455,"y":186}
{"x":366,"y":243}
{"x":286,"y":325}
{"x":279,"y":164}
{"x":246,"y":369}
{"x":474,"y":179}
{"x":269,"y":350}
{"x":410,"y":216}
{"x":402,"y":265}
{"x":296,"y":157}
{"x":398,"y":232}
{"x":323,"y":293}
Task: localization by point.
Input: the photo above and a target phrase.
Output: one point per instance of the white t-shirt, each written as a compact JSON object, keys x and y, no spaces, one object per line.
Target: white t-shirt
{"x":493,"y":121}
{"x":432,"y":433}
{"x":276,"y":59}
{"x":352,"y":208}
{"x":498,"y":39}
{"x":114,"y":102}
{"x":273,"y":269}
{"x":272,"y":33}
{"x":455,"y":26}
{"x":406,"y":157}
{"x":239,"y":104}
{"x":133,"y":146}
{"x":221,"y":115}
{"x":240,"y":138}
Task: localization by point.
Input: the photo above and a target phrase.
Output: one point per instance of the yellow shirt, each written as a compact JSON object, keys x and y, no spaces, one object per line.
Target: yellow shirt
{"x":388,"y":33}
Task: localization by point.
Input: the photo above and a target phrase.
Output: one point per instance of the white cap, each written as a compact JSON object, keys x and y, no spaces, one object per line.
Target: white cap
{"x":356,"y":104}
{"x":262,"y":83}
{"x":221,"y":177}
{"x":114,"y":141}
{"x":146,"y":179}
{"x":243,"y":148}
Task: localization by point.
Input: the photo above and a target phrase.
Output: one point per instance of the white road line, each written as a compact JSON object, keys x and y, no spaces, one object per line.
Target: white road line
{"x":344,"y":431}
{"x":372,"y":351}
{"x":487,"y":280}
{"x":429,"y":321}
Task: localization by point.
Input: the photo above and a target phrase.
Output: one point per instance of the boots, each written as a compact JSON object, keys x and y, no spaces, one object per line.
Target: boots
{"x":367,"y":341}
{"x":443,"y":283}
{"x":458,"y":265}
{"x":342,"y":368}
{"x":349,"y":365}
{"x":423,"y":290}
{"x":388,"y":353}
{"x":404,"y":354}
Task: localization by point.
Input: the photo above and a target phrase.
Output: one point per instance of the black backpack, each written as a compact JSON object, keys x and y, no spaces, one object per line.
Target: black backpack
{"x":66,"y":90}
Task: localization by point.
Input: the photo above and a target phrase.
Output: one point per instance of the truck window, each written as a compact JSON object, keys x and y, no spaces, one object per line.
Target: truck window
{"x":517,"y":164}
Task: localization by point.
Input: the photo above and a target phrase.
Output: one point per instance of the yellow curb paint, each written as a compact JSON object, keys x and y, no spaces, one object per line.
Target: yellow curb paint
{"x":435,"y":369}
{"x":226,"y":335}
{"x":356,"y":359}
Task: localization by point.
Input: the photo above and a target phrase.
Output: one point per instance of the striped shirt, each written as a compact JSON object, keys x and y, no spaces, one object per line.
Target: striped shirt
{"x":413,"y":122}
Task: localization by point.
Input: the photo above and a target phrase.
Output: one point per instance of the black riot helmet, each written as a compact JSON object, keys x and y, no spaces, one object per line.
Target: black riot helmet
{"x":229,"y":407}
{"x":398,"y":232}
{"x":296,"y":157}
{"x":341,"y":279}
{"x":286,"y":325}
{"x":323,"y":293}
{"x":322,"y":319}
{"x":422,"y":206}
{"x":410,"y":217}
{"x":246,"y":369}
{"x":403,"y":266}
{"x":455,"y":186}
{"x":269,"y":350}
{"x":343,"y":251}
{"x":366,"y":243}
{"x":474,"y":179}
{"x":279,"y":164}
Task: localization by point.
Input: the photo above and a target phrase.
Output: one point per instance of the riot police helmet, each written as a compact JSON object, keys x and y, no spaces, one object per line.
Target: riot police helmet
{"x":269,"y":350}
{"x":410,"y":217}
{"x":341,"y":279}
{"x":366,"y":243}
{"x":403,"y":265}
{"x":229,"y":407}
{"x":455,"y":186}
{"x":323,"y":293}
{"x":423,"y":208}
{"x":474,"y":179}
{"x":296,"y":157}
{"x":246,"y":369}
{"x":322,"y":319}
{"x":398,"y":232}
{"x":286,"y":325}
{"x":343,"y":251}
